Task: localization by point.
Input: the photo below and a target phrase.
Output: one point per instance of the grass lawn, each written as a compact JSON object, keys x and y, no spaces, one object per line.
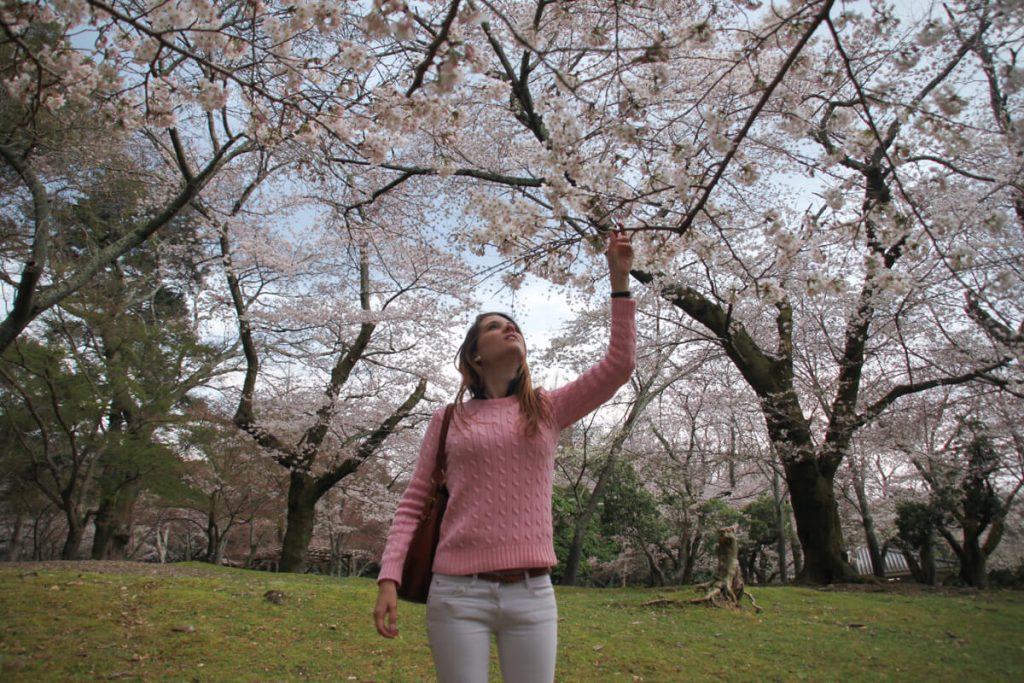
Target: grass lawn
{"x":196,"y":622}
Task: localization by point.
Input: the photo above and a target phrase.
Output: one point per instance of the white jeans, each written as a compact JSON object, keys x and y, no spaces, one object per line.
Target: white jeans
{"x":463,"y":612}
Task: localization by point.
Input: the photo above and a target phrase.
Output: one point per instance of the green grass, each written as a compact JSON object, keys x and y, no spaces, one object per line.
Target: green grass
{"x":73,"y":626}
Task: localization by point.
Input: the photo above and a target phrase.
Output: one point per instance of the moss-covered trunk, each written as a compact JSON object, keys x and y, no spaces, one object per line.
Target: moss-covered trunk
{"x":115,"y":518}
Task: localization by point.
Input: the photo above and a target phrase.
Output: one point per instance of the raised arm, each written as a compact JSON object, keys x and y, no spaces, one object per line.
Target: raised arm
{"x":598,"y":384}
{"x":620,"y":260}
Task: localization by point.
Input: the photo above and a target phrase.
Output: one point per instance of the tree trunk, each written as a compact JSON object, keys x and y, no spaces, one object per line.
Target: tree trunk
{"x":302,"y":502}
{"x":817,"y":523}
{"x":929,"y":575}
{"x":657,"y":575}
{"x":305,"y":491}
{"x":212,"y":541}
{"x":972,"y":563}
{"x":691,"y":545}
{"x":727,"y":587}
{"x":780,"y":519}
{"x":915,"y":566}
{"x":221,"y":547}
{"x":215,"y":539}
{"x":163,"y":537}
{"x":780,"y":550}
{"x":115,"y":519}
{"x":748,"y":565}
{"x":796,"y":550}
{"x":572,"y":562}
{"x":14,"y":546}
{"x":810,"y":478}
{"x":868,"y":522}
{"x":74,"y":538}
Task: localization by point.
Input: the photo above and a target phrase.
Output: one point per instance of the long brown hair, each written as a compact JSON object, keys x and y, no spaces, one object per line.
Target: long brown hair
{"x":533,"y":409}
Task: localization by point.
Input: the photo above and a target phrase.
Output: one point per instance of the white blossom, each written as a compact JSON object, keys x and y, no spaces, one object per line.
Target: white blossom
{"x":931,"y":34}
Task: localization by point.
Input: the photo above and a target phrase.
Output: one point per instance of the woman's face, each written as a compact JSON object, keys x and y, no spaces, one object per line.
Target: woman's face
{"x":499,"y":340}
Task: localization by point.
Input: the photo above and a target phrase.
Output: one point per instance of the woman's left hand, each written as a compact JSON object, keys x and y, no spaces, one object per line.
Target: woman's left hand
{"x":620,"y":259}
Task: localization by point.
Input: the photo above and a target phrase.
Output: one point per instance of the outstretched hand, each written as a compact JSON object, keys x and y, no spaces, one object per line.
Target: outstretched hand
{"x":620,"y":259}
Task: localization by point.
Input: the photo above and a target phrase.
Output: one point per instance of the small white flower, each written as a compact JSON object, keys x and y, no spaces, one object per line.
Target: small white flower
{"x":834,"y":198}
{"x":949,"y":102}
{"x":931,"y":34}
{"x":749,"y":174}
{"x":211,"y":96}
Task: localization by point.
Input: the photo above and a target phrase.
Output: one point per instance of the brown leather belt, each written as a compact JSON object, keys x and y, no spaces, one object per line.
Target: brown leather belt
{"x":513,"y":575}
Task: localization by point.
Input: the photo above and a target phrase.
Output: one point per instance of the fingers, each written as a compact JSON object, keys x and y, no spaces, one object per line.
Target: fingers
{"x":393,"y":621}
{"x":618,"y":239}
{"x":620,"y":248}
{"x":385,"y":626}
{"x":385,"y":616}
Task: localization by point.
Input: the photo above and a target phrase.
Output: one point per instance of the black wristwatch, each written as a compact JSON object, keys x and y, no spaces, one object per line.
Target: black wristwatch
{"x":621,"y":295}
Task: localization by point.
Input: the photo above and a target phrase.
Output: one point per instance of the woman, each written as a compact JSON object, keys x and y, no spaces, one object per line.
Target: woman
{"x":492,"y":567}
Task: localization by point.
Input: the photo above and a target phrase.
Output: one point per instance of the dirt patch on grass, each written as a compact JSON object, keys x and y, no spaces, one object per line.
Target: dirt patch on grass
{"x":108,"y":567}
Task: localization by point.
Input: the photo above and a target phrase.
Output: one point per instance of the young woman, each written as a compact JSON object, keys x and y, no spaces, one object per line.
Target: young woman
{"x":492,"y":567}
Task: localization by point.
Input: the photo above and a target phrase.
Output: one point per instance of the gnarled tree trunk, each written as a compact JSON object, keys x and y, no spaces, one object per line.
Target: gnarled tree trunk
{"x":727,"y":588}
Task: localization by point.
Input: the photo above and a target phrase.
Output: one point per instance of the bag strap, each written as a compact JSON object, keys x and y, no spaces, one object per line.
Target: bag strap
{"x":441,"y":462}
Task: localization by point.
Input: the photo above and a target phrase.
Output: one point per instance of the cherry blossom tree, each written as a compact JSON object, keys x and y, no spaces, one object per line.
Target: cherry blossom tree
{"x":647,"y":385}
{"x":205,"y":83}
{"x":779,"y":167}
{"x":970,"y":475}
{"x":226,"y":486}
{"x":340,"y":326}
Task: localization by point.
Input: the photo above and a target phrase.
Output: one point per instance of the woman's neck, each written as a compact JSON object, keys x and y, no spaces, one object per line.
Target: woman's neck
{"x":497,"y":381}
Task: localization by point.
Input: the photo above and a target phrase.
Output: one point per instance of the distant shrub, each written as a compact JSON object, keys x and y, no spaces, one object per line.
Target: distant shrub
{"x":1007,"y":578}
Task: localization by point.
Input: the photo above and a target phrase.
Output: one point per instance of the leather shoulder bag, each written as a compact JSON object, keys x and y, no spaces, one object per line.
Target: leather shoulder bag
{"x":419,"y":561}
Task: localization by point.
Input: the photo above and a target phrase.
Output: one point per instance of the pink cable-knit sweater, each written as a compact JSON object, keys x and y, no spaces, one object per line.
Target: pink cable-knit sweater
{"x":499,"y":480}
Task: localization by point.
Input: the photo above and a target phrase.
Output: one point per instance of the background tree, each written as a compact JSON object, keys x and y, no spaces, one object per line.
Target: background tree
{"x":646,"y":387}
{"x":136,"y":318}
{"x":55,"y":426}
{"x":629,"y":513}
{"x":367,"y":303}
{"x":965,"y":495}
{"x":857,"y":465}
{"x":761,"y":532}
{"x":228,"y":485}
{"x":916,"y":523}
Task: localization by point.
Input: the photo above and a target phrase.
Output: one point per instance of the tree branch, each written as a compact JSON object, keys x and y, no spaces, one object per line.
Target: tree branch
{"x":432,"y":49}
{"x":901,"y":390}
{"x":753,"y":363}
{"x":244,"y":417}
{"x":372,"y":442}
{"x":23,"y":310}
{"x":314,"y":436}
{"x":52,"y":295}
{"x":691,"y":215}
